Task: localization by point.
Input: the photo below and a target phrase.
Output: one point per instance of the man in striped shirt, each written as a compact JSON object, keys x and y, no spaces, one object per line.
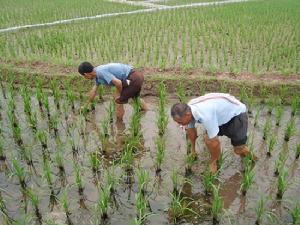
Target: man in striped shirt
{"x":220,"y":114}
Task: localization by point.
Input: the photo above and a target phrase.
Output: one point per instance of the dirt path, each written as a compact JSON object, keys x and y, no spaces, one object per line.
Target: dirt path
{"x":154,"y":8}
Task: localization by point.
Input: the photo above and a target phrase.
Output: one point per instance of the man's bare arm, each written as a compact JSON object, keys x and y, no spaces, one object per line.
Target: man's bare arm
{"x":93,"y":93}
{"x":192,"y":135}
{"x":118,"y":84}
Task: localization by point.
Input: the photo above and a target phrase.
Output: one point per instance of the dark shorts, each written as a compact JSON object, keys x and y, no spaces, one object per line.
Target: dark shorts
{"x":133,"y":89}
{"x":236,"y":129}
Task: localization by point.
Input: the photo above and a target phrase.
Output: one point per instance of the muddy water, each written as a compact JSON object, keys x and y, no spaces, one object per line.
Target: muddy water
{"x":239,"y":209}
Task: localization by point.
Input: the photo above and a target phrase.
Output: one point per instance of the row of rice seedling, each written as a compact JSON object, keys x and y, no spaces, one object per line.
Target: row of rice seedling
{"x":17,"y":12}
{"x":162,"y":122}
{"x":174,"y":38}
{"x":54,"y":153}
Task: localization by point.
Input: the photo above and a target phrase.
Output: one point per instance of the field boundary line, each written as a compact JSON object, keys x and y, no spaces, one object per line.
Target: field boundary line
{"x":144,"y":3}
{"x":66,"y":21}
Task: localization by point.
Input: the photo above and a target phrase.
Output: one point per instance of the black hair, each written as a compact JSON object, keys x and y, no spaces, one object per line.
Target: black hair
{"x":85,"y":67}
{"x":180,"y":109}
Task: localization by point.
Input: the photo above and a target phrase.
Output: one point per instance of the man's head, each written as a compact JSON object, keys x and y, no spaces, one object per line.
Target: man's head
{"x":181,"y":113}
{"x":86,"y":69}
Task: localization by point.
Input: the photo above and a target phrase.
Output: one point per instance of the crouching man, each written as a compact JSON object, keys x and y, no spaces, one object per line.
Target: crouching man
{"x":220,"y":114}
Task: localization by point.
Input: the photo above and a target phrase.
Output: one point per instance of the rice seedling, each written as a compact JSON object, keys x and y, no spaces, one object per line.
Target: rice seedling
{"x":260,"y":210}
{"x":134,"y":125}
{"x":53,"y":123}
{"x":160,"y":153}
{"x":271,"y":143}
{"x":103,"y":201}
{"x":19,"y":171}
{"x":175,"y":181}
{"x":278,"y":114}
{"x":59,"y":161}
{"x":257,"y":113}
{"x":208,"y":179}
{"x":243,"y":94}
{"x":295,"y":213}
{"x":104,"y":134}
{"x":27,"y":153}
{"x":247,"y":179}
{"x":128,"y":157}
{"x":74,"y":142}
{"x":279,"y":163}
{"x":17,"y":135}
{"x":295,"y":104}
{"x":2,"y":150}
{"x":143,"y":180}
{"x":189,"y":161}
{"x":162,"y":118}
{"x":270,"y":105}
{"x":110,"y":111}
{"x":92,"y":106}
{"x":23,"y":219}
{"x":217,"y":205}
{"x":39,"y":93}
{"x":290,"y":130}
{"x":3,"y":210}
{"x":267,"y":128}
{"x":221,"y":160}
{"x":46,"y":104}
{"x":32,"y":119}
{"x":71,"y":97}
{"x":298,"y":151}
{"x":78,"y":177}
{"x":43,"y":139}
{"x":140,"y":221}
{"x":101,"y":92}
{"x":3,"y":89}
{"x":179,"y":207}
{"x":26,"y":101}
{"x":55,"y":92}
{"x":64,"y":202}
{"x":112,"y":179}
{"x":141,"y":204}
{"x":47,"y":173}
{"x":282,"y":182}
{"x":180,"y":92}
{"x":95,"y":161}
{"x":34,"y":198}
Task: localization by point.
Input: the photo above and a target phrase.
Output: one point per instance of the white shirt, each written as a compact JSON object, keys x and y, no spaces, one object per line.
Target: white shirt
{"x":214,"y":110}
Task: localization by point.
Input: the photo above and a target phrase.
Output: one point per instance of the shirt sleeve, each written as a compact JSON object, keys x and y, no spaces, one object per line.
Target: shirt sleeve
{"x":107,"y":76}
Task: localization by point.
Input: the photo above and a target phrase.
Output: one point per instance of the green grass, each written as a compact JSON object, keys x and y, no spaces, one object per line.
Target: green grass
{"x":23,"y":12}
{"x":183,"y":2}
{"x":255,"y":36}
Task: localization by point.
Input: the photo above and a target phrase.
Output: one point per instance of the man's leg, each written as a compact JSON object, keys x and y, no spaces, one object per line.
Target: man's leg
{"x":214,"y":147}
{"x":119,"y":107}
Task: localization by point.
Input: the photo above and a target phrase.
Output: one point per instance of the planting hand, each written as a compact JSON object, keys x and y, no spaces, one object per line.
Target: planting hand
{"x":192,"y":135}
{"x":93,"y":93}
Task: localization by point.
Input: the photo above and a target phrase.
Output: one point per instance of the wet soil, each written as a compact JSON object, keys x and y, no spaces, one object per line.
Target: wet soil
{"x":240,"y":209}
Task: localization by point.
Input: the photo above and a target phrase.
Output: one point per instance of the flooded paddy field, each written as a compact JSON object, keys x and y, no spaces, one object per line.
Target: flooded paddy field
{"x":61,"y":163}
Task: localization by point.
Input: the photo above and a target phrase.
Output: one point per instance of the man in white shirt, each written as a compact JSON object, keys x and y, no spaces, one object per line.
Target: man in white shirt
{"x":221,"y":114}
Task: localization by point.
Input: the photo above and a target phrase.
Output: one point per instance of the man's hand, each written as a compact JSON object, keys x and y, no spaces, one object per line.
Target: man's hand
{"x":192,"y":135}
{"x":93,"y":93}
